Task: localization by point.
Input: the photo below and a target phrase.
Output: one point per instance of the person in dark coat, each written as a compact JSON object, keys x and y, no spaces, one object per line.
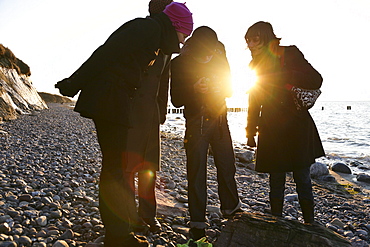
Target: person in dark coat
{"x":149,"y":110}
{"x":109,"y":82}
{"x":200,"y":81}
{"x":288,"y":140}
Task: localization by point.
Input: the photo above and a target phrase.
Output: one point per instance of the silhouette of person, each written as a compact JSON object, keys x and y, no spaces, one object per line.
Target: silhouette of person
{"x":109,"y":82}
{"x":288,"y":140}
{"x":200,"y":81}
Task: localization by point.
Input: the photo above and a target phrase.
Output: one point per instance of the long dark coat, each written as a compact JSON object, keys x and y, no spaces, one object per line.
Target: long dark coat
{"x":149,"y":108}
{"x":288,"y":139}
{"x":109,"y":79}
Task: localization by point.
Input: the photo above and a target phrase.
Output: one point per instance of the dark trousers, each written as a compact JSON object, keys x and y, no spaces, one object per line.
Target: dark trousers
{"x":198,"y":137}
{"x":304,"y":189}
{"x":146,"y":192}
{"x":116,"y":188}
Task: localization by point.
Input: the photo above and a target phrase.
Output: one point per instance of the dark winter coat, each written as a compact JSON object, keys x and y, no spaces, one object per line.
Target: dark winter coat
{"x":288,"y":139}
{"x":109,"y":79}
{"x":149,"y":108}
{"x":185,"y":72}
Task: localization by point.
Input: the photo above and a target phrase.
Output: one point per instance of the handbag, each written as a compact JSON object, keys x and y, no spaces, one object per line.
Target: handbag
{"x":303,"y":98}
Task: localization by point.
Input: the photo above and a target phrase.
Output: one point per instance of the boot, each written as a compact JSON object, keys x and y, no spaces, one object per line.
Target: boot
{"x":135,"y":241}
{"x":153,"y":223}
{"x":195,"y":233}
{"x":277,"y":206}
{"x":307,"y":207}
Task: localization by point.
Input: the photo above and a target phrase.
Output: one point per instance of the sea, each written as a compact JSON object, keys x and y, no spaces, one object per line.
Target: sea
{"x":344,"y":128}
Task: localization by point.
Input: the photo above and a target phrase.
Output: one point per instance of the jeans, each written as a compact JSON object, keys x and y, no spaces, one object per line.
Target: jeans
{"x":198,"y":137}
{"x":301,"y":178}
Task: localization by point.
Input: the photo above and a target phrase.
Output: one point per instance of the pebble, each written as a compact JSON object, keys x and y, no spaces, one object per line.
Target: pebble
{"x":49,"y":173}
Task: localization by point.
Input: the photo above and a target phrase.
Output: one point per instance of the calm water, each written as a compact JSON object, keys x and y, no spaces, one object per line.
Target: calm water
{"x":345,"y":134}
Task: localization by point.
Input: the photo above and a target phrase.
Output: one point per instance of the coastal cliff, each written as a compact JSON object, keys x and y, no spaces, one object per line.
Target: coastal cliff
{"x":17,"y":94}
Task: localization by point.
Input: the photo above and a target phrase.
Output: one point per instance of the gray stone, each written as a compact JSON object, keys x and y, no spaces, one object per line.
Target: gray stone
{"x":42,"y":220}
{"x":56,"y":214}
{"x":60,"y":243}
{"x":39,"y":244}
{"x":8,"y":244}
{"x":24,"y":241}
{"x":328,"y":178}
{"x":245,"y":156}
{"x":340,"y":167}
{"x":337,"y":222}
{"x":363,"y":178}
{"x":291,"y":197}
{"x":256,"y":230}
{"x":318,"y":170}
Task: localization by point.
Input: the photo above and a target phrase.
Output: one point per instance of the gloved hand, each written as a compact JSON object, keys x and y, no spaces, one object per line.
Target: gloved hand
{"x":251,"y":142}
{"x":67,"y":88}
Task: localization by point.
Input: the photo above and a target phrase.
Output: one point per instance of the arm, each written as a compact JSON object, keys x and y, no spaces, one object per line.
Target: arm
{"x":182,"y":89}
{"x":254,"y":108}
{"x":299,"y":72}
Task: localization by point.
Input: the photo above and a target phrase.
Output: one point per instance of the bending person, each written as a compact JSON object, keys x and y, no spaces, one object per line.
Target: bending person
{"x":109,"y":81}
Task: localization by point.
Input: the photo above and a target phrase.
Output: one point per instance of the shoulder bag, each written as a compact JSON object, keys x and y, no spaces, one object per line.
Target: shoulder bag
{"x":303,"y":98}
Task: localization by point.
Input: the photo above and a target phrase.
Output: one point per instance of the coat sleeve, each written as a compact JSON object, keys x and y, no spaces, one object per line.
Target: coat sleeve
{"x":299,"y":72}
{"x":182,"y":90}
{"x":254,"y":108}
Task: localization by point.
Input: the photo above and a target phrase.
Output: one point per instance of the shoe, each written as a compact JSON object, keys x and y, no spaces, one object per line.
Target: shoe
{"x":154,"y":225}
{"x":277,"y":206}
{"x":229,"y":216}
{"x":135,"y":241}
{"x":307,"y":207}
{"x":200,"y":243}
{"x":195,"y":233}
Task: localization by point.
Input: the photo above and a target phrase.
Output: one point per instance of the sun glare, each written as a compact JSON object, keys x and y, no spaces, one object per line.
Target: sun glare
{"x":242,"y":82}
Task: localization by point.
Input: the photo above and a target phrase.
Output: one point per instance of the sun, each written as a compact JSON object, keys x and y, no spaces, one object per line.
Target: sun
{"x":242,"y":81}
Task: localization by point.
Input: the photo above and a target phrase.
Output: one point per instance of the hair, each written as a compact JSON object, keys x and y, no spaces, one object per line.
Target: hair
{"x":264,"y":30}
{"x":203,"y":41}
{"x":157,"y":6}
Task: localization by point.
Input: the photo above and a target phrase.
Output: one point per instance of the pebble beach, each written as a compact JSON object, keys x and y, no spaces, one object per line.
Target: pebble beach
{"x":49,"y":171}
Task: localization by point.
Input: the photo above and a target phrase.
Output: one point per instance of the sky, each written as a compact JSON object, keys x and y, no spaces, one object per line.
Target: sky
{"x":55,"y":37}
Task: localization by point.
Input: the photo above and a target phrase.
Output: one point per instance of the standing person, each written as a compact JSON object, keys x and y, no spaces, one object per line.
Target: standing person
{"x":149,"y":110}
{"x":109,"y":81}
{"x":200,"y":81}
{"x":288,"y":140}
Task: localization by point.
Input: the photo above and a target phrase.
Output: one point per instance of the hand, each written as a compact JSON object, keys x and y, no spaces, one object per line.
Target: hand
{"x":251,"y":142}
{"x":201,"y":86}
{"x":67,"y":87}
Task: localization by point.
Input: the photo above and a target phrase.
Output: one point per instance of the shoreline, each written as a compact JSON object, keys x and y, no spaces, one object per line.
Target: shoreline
{"x":50,"y":164}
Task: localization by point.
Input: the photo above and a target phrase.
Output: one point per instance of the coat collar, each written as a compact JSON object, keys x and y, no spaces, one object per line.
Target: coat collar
{"x":169,"y":40}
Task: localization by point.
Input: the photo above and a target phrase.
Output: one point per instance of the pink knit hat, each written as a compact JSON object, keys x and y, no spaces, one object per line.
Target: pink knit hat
{"x":180,"y":16}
